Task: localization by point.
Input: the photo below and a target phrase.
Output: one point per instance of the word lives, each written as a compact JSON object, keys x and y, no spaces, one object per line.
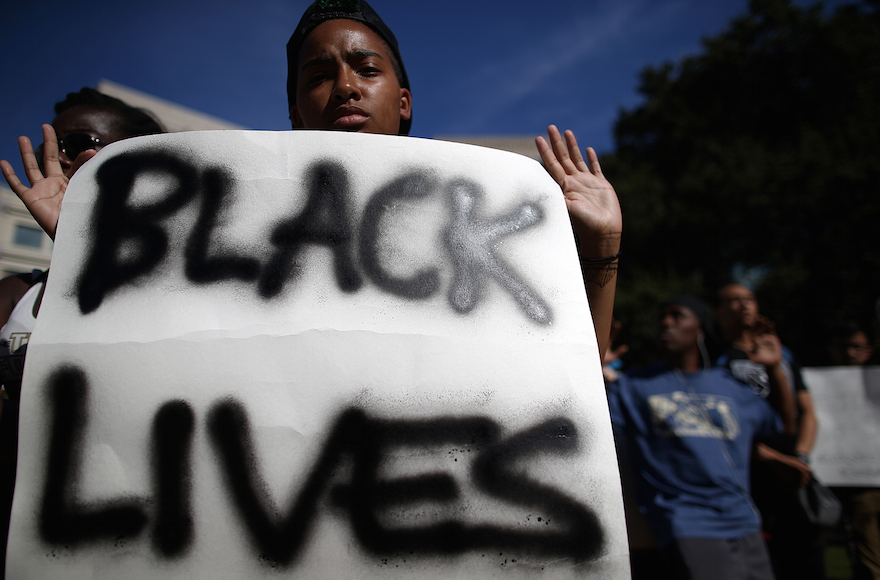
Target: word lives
{"x":469,"y":238}
{"x":346,"y":477}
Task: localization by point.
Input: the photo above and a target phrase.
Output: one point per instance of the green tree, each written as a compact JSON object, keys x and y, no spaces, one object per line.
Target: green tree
{"x":762,"y":152}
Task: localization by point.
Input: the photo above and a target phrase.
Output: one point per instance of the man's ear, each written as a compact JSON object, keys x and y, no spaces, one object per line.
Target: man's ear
{"x":295,"y":120}
{"x":405,"y":104}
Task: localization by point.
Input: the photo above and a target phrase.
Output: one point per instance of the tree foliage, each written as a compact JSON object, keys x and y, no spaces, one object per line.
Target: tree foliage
{"x":762,"y":152}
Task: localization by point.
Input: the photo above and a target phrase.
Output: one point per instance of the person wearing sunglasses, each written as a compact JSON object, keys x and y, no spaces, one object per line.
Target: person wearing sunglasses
{"x":69,"y":148}
{"x":85,"y":121}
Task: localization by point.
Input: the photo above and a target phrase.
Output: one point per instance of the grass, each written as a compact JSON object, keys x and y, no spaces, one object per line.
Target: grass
{"x":837,"y":565}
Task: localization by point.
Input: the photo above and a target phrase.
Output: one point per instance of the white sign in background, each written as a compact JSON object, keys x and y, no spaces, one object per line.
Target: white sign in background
{"x":847,"y":403}
{"x":316,"y":355}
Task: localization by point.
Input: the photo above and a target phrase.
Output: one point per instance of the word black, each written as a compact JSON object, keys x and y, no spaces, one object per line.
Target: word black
{"x":326,"y":220}
{"x":362,"y":496}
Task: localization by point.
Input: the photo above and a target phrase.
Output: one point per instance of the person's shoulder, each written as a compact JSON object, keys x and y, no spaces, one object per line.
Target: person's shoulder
{"x":634,"y":386}
{"x":730,"y":353}
{"x":723,"y":380}
{"x":795,"y":369}
{"x":721,"y":374}
{"x":648,"y":372}
{"x":789,"y":357}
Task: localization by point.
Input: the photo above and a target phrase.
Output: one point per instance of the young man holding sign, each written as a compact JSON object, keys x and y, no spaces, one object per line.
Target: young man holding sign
{"x":345,"y":73}
{"x":288,"y":419}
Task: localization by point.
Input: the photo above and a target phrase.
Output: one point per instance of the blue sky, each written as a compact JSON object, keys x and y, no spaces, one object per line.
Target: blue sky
{"x":477,"y":67}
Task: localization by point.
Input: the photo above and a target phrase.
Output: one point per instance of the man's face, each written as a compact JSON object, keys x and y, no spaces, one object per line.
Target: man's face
{"x":854,"y":350}
{"x":737,"y":307}
{"x":679,"y":329}
{"x":346,"y":82}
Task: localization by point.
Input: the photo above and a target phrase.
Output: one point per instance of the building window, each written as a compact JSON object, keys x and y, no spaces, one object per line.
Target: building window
{"x":31,"y":237}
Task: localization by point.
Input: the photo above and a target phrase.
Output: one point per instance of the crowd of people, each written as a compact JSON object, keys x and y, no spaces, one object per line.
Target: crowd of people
{"x":720,"y":445}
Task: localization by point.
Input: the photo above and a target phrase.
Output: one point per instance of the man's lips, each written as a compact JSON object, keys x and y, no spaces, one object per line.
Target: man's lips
{"x":346,"y":117}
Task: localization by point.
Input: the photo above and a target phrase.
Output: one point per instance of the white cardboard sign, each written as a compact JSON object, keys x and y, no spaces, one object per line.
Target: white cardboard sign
{"x":847,"y":403}
{"x":314,"y":355}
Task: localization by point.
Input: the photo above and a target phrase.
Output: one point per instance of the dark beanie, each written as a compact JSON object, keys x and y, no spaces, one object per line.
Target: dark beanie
{"x":696,"y":306}
{"x":324,"y":10}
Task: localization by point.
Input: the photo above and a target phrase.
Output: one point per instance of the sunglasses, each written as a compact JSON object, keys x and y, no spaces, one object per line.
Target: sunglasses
{"x":72,"y":145}
{"x":75,"y":143}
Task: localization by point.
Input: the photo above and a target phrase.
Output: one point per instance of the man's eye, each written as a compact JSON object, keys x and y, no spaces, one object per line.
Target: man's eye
{"x":317,"y":77}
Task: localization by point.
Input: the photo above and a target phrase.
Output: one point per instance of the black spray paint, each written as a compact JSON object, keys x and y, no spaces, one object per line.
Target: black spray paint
{"x":327,"y":220}
{"x":470,"y":238}
{"x":200,"y":267}
{"x":64,"y":519}
{"x":173,"y":428}
{"x":117,"y":224}
{"x":422,"y":284}
{"x":361,"y":495}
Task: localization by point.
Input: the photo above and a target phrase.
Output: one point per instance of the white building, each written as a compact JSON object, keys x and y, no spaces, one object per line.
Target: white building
{"x":23,"y":244}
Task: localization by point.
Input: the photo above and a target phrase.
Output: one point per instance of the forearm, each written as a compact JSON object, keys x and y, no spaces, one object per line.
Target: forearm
{"x":595,"y":217}
{"x":600,"y":276}
{"x":807,"y":429}
{"x":788,"y":469}
{"x":765,"y":453}
{"x":781,"y":398}
{"x":602,"y":308}
{"x":808,"y":425}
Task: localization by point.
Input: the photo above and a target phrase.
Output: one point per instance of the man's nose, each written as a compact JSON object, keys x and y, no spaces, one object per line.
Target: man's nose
{"x":347,"y":86}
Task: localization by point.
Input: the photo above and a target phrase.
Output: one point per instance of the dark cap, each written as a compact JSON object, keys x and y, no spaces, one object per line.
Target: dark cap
{"x":696,"y":306}
{"x":324,"y":10}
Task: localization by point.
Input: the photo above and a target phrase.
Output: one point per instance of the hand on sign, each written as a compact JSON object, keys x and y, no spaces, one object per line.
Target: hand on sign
{"x":43,"y":198}
{"x":592,"y":203}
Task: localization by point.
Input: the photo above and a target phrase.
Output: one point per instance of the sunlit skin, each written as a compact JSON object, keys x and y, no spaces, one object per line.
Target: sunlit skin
{"x":346,"y":82}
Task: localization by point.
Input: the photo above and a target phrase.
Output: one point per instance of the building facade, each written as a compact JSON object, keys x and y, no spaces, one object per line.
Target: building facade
{"x":23,"y":244}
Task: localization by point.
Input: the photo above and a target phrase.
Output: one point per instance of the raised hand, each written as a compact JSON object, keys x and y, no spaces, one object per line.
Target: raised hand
{"x":768,"y":349}
{"x":595,"y":216}
{"x":592,"y":202}
{"x":43,"y":198}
